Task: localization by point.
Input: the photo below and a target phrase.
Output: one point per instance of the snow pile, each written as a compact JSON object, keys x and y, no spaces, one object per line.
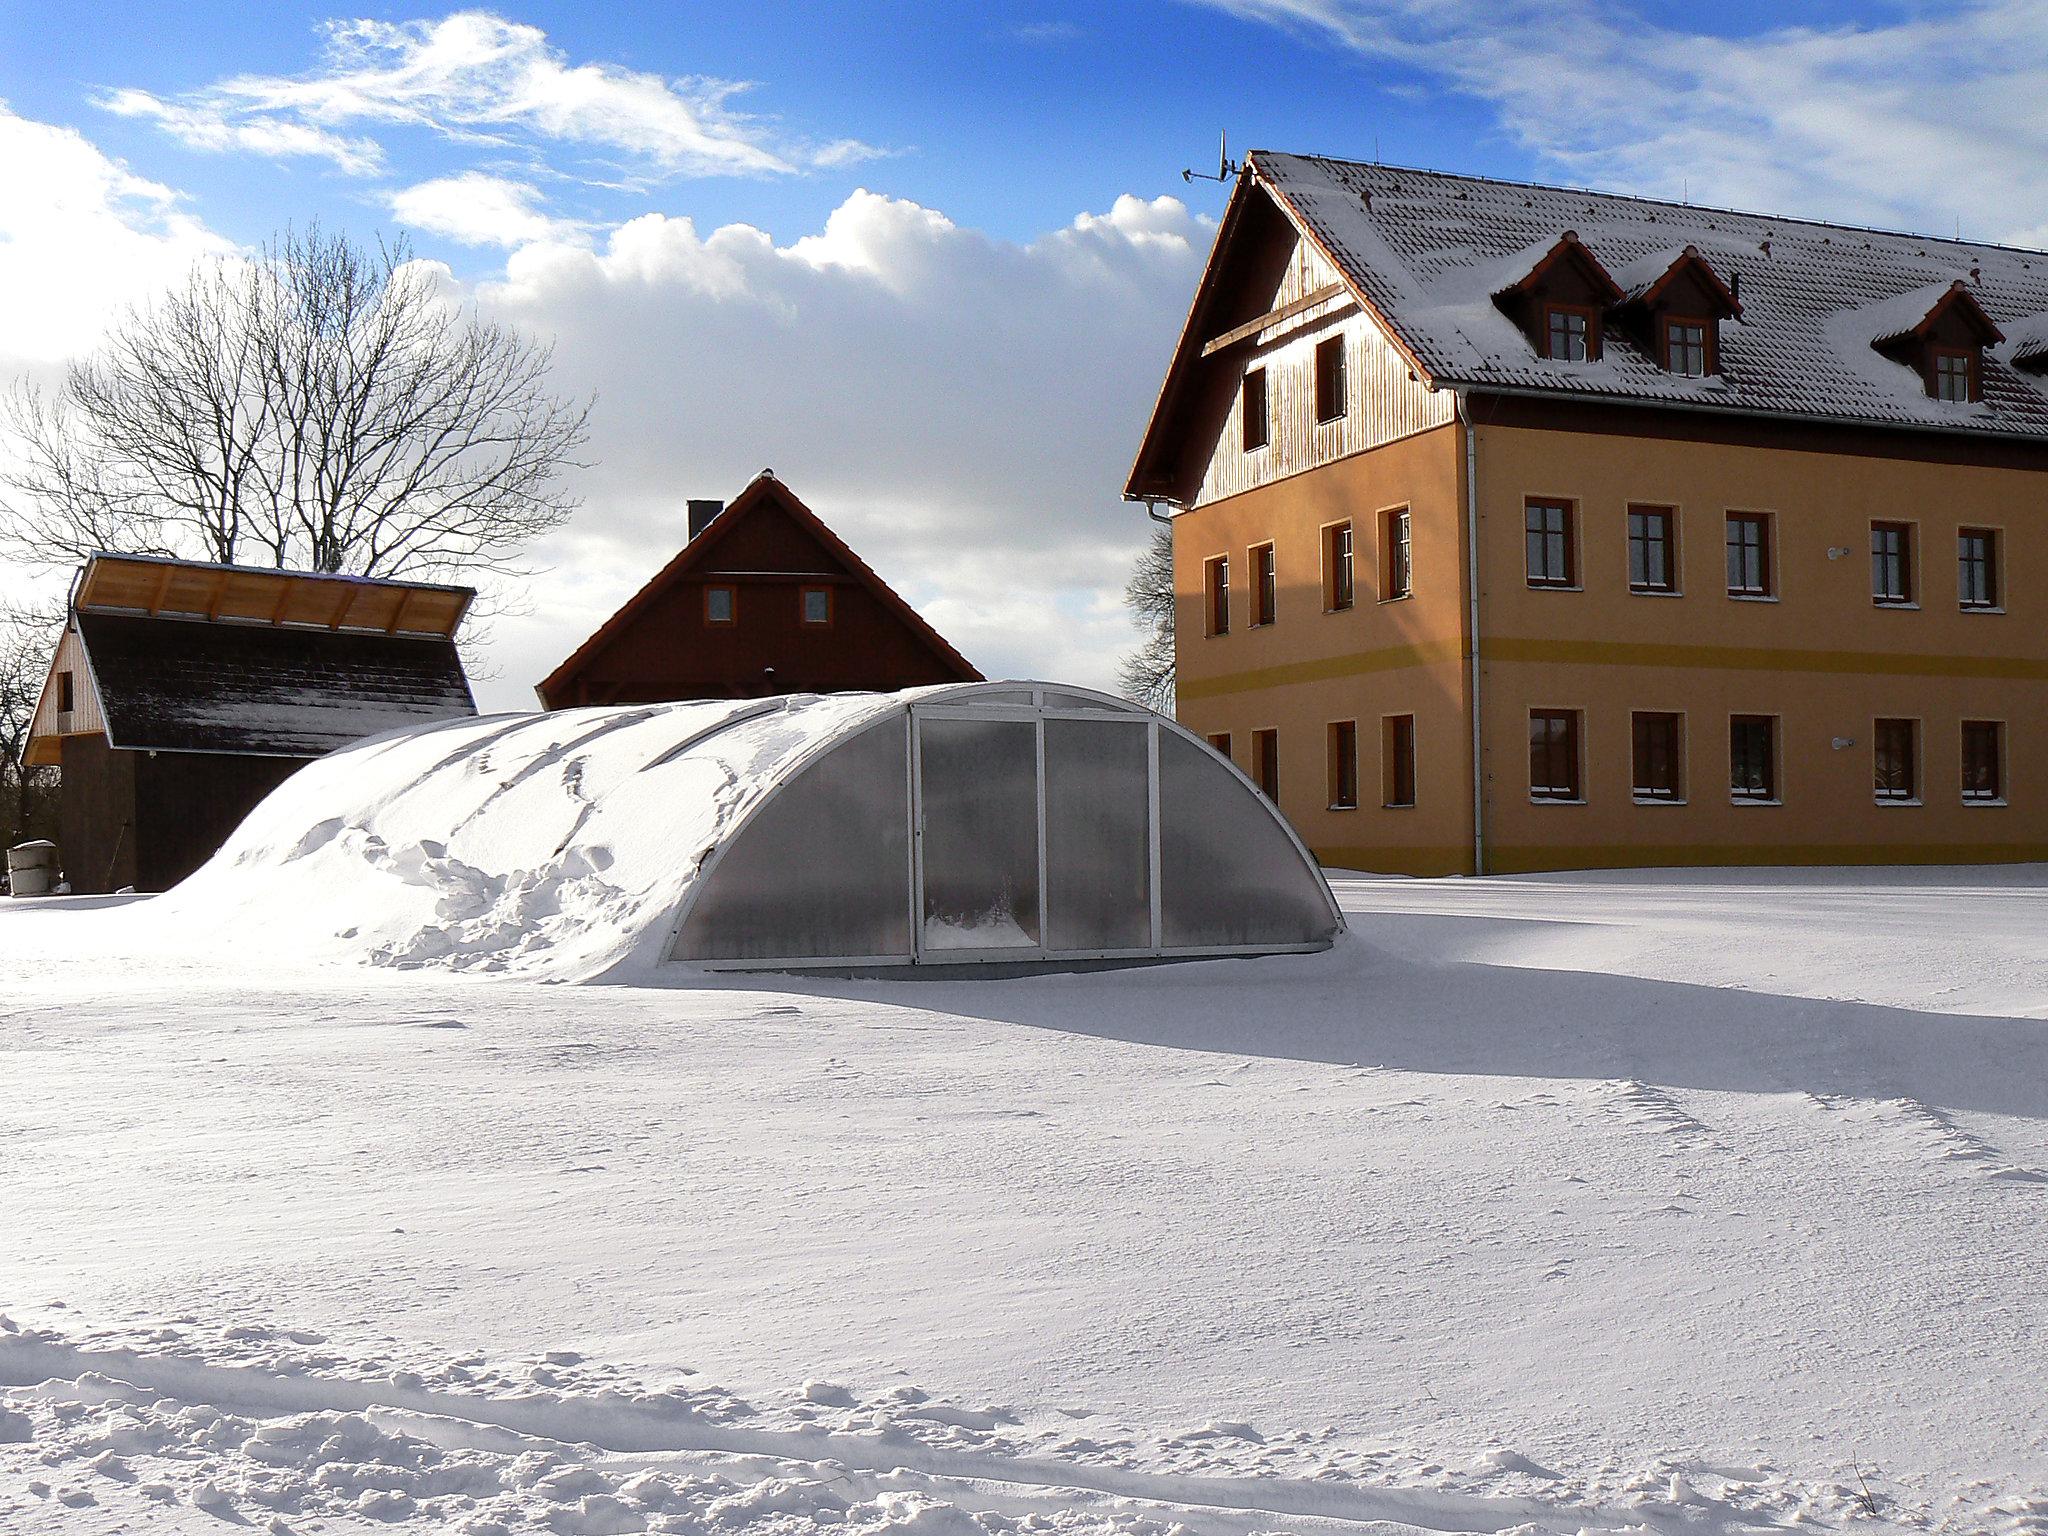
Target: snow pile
{"x":558,"y":845}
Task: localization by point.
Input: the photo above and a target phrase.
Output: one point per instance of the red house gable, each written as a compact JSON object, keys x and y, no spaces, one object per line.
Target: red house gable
{"x":765,"y":600}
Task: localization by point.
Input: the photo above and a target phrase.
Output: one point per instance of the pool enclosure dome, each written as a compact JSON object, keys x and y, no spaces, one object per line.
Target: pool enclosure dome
{"x":1009,"y":824}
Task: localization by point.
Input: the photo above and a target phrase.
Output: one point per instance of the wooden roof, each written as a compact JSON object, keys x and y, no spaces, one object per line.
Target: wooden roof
{"x":157,"y":587}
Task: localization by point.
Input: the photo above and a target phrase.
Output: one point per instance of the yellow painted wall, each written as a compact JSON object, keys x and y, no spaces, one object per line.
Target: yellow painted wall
{"x":1311,"y":667}
{"x":1822,"y":657}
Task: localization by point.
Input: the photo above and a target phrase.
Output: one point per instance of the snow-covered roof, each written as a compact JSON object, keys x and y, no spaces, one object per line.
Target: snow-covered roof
{"x":1428,"y":251}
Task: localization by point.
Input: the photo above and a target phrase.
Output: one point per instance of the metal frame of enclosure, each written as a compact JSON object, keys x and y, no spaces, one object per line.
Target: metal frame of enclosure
{"x":1004,"y":824}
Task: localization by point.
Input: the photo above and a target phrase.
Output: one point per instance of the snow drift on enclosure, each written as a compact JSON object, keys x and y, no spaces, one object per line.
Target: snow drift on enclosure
{"x":544,"y":843}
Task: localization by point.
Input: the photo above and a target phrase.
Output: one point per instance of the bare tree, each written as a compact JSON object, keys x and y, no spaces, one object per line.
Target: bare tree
{"x":28,"y":796}
{"x":321,"y":406}
{"x":1146,"y":674}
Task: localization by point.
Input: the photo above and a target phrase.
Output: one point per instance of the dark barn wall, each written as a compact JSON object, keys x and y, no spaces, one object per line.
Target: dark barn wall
{"x":96,"y":815}
{"x":187,"y":803}
{"x":148,"y":820}
{"x":667,"y":651}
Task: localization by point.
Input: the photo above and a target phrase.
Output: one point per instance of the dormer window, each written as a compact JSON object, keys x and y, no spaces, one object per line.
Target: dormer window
{"x":1569,"y":334}
{"x":1685,"y":348}
{"x":1558,"y":303}
{"x":1946,"y":346}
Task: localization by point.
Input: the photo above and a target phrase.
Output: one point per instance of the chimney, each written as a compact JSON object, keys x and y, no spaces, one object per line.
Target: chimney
{"x":701,"y":514}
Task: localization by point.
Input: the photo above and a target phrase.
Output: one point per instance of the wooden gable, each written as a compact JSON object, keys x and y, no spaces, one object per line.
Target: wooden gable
{"x":766,"y":600}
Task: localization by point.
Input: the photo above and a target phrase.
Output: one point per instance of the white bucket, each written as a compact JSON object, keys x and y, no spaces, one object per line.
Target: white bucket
{"x":32,"y":868}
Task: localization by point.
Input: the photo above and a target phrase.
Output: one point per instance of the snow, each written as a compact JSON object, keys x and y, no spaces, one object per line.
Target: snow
{"x":1678,"y":1202}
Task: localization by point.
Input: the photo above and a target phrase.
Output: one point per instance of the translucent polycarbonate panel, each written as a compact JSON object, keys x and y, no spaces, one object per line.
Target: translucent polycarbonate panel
{"x":822,"y":869}
{"x":1098,"y":845}
{"x":1056,"y":699}
{"x":980,"y":784}
{"x":1007,"y":698}
{"x":1228,"y":873}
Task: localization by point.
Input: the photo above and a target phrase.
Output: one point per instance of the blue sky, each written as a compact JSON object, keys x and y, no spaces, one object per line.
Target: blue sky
{"x":928,"y":263}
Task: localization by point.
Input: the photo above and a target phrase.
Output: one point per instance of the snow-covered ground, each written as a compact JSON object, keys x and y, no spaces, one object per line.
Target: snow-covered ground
{"x":1689,"y":1203}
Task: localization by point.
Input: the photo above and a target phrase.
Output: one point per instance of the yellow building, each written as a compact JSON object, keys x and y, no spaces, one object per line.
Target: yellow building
{"x":1747,"y":516}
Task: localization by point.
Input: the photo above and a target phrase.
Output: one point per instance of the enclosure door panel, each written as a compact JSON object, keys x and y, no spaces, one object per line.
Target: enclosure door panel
{"x":1098,"y":835}
{"x":978,"y":782}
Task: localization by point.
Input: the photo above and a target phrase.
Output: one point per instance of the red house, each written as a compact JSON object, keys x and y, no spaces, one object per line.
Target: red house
{"x":764,"y":599}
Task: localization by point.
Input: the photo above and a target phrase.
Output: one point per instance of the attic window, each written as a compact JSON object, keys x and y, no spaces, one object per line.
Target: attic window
{"x":1256,"y":429}
{"x":65,"y":702}
{"x":1946,"y":347}
{"x":1685,"y":348}
{"x":718,"y":605}
{"x":1955,"y":373}
{"x":1570,"y":332}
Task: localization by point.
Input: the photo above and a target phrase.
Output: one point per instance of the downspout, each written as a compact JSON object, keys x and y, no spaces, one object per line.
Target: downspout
{"x":1464,"y":410}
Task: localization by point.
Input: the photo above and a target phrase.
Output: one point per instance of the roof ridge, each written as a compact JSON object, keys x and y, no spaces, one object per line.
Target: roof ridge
{"x":1663,"y":202}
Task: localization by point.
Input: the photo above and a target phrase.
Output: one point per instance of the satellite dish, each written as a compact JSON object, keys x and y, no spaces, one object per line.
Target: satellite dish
{"x":1226,"y":168}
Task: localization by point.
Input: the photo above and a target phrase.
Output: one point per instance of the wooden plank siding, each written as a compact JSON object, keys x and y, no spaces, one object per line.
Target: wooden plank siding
{"x":1383,"y":400}
{"x":83,"y":719}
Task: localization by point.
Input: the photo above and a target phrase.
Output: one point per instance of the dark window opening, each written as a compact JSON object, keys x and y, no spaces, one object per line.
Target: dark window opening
{"x":1216,"y":586}
{"x":1221,"y":742}
{"x":1983,"y":760}
{"x":721,"y":605}
{"x":1549,"y":543}
{"x":1330,"y":401}
{"x":1266,"y":763}
{"x":1568,"y":333}
{"x":1256,"y":428}
{"x":1339,"y":586}
{"x":1397,"y":555}
{"x":1753,"y":757}
{"x":1685,"y":348}
{"x":1344,"y":765}
{"x":1659,"y":765}
{"x":817,"y":605}
{"x":1891,"y":562}
{"x":65,"y":702}
{"x":1265,"y":585}
{"x":1977,"y":568}
{"x":1749,"y":554}
{"x":1398,"y":756}
{"x":1553,"y":754}
{"x":1955,"y":374}
{"x":1894,"y":760}
{"x":1652,"y":550}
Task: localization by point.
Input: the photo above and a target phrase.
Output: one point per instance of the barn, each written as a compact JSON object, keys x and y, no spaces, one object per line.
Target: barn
{"x":764,"y":599}
{"x":182,"y":693}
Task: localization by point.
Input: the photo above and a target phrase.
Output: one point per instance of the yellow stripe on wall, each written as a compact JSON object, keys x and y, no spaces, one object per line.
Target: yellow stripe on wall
{"x":1322,"y":669}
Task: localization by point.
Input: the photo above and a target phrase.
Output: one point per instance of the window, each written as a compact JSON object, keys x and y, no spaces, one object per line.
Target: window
{"x":1216,"y":593}
{"x":1659,"y":761}
{"x":1955,"y":374}
{"x":720,"y":605}
{"x":1221,"y":742}
{"x":1891,"y":562}
{"x":1265,"y":585}
{"x":1339,"y":588}
{"x":1652,"y":549}
{"x":1977,"y":568}
{"x":1256,"y":429}
{"x":1983,"y":761}
{"x":1397,"y":555}
{"x":1553,"y":754}
{"x":1266,"y":763}
{"x":1685,"y":348}
{"x":1749,"y":554}
{"x":1568,"y":334}
{"x":1397,"y":760}
{"x":1344,"y":765}
{"x":1895,"y":759}
{"x":1549,"y":540}
{"x":1330,"y":379}
{"x":1753,"y":758}
{"x":817,"y":605}
{"x":65,"y":702}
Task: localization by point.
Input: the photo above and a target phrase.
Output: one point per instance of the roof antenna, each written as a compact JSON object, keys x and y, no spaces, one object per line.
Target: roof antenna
{"x":1226,"y":168}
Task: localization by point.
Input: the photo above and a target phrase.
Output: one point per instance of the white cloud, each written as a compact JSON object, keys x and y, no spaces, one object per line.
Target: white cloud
{"x":962,"y":409}
{"x":210,"y":126}
{"x":81,"y":236}
{"x":478,"y":77}
{"x":1923,"y":117}
{"x":479,"y":209}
